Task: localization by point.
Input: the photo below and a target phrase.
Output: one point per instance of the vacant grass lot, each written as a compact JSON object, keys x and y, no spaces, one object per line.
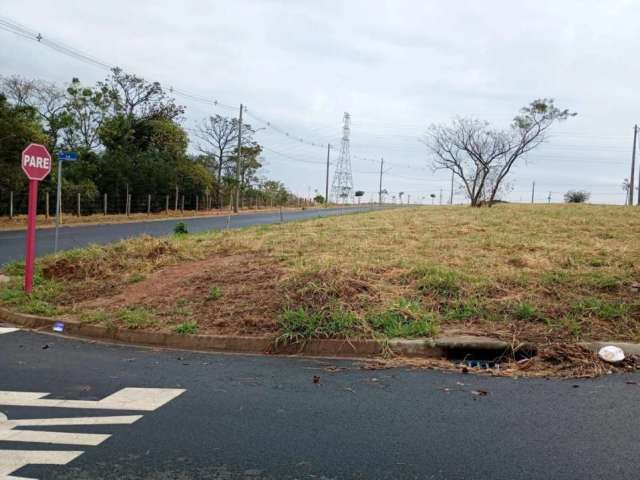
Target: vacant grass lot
{"x":542,"y":273}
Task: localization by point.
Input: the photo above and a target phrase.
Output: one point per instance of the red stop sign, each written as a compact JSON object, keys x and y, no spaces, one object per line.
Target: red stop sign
{"x":36,"y":162}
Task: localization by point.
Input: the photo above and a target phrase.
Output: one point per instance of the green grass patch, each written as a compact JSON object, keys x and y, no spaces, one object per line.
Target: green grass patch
{"x":603,"y":309}
{"x":135,"y":277}
{"x":464,"y":310}
{"x":301,"y":324}
{"x":39,"y":307}
{"x":439,"y":280}
{"x":600,"y":281}
{"x":136,"y":317}
{"x":186,"y":328}
{"x":95,"y":316}
{"x":527,"y":312}
{"x":214,"y":293}
{"x":14,"y":269}
{"x":405,"y":318}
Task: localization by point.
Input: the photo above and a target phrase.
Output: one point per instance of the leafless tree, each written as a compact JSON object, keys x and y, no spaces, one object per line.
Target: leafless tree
{"x":626,"y":187}
{"x":218,"y":137}
{"x":482,"y":156}
{"x":47,"y":99}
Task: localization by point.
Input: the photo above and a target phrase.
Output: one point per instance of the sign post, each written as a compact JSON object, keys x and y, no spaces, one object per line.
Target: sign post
{"x":68,"y":157}
{"x":36,"y":164}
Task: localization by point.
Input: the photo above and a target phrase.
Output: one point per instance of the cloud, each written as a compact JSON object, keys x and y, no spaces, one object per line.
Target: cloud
{"x":397,"y":66}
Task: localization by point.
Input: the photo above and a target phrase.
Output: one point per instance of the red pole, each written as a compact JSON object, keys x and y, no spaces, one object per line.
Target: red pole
{"x":31,"y":236}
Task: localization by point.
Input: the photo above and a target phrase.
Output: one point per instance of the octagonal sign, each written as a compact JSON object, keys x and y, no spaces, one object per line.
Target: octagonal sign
{"x":36,"y":162}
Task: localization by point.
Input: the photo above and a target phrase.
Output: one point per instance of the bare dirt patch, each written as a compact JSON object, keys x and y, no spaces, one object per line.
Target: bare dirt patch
{"x":246,"y":299}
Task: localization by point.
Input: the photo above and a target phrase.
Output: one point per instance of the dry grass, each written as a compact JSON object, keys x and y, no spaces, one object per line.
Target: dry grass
{"x":544,"y":273}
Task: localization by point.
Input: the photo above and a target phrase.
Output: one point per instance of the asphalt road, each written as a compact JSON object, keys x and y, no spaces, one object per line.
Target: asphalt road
{"x":12,"y":244}
{"x":262,"y":417}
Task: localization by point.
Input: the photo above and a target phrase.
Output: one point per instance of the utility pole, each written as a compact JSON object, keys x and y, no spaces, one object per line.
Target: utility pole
{"x":326,"y":183}
{"x":633,"y":167}
{"x":440,"y":196}
{"x":451,"y":197}
{"x":238,"y":163}
{"x":380,"y":189}
{"x":58,"y":205}
{"x":533,"y":191}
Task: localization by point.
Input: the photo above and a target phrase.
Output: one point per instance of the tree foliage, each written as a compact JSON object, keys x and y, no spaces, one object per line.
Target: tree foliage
{"x":130,"y":139}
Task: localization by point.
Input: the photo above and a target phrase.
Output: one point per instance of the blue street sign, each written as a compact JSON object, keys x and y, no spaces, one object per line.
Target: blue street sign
{"x":67,"y":156}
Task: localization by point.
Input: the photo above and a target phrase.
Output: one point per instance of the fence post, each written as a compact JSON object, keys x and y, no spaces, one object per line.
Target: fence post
{"x":46,"y":205}
{"x":166,"y":204}
{"x":78,"y":204}
{"x":10,"y":204}
{"x":128,"y":205}
{"x":182,"y":206}
{"x":149,"y":204}
{"x":104,"y":201}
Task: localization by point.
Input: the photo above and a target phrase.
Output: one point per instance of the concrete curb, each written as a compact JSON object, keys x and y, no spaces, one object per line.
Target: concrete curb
{"x":449,"y":347}
{"x":627,"y":347}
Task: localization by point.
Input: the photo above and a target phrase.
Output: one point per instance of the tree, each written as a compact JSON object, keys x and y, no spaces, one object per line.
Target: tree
{"x":219,"y":140}
{"x":626,"y":187}
{"x":47,"y":99}
{"x":18,"y":127}
{"x":319,"y":199}
{"x":577,"y":196}
{"x":275,"y":191}
{"x":132,"y":96}
{"x":481,"y":156}
{"x":87,"y":109}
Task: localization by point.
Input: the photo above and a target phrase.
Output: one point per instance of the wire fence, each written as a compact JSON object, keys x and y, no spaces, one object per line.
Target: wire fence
{"x":13,"y":204}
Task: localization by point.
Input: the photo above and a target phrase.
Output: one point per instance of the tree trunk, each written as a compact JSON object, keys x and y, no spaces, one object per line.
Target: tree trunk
{"x":219,"y":186}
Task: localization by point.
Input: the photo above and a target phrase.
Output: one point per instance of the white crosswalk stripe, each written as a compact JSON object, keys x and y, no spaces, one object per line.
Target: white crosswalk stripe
{"x":143,"y":399}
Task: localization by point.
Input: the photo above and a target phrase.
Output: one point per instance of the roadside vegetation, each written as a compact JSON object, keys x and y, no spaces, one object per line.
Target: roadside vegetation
{"x":544,"y":273}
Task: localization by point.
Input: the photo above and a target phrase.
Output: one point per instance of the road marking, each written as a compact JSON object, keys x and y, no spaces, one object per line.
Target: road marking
{"x":10,"y":434}
{"x":12,"y":460}
{"x":7,"y":330}
{"x":145,"y":399}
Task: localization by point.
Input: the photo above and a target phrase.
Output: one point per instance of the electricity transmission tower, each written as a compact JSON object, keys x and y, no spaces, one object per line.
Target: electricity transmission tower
{"x":342,"y":186}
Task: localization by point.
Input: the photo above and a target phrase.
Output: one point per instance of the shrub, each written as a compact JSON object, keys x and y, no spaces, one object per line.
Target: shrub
{"x":577,"y":196}
{"x":180,"y":229}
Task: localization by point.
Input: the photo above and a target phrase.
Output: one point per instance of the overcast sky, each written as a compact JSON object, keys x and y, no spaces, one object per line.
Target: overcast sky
{"x":396,"y":66}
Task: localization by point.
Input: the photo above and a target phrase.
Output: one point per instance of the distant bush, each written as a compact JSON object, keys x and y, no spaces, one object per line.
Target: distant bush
{"x":180,"y":229}
{"x":577,"y":196}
